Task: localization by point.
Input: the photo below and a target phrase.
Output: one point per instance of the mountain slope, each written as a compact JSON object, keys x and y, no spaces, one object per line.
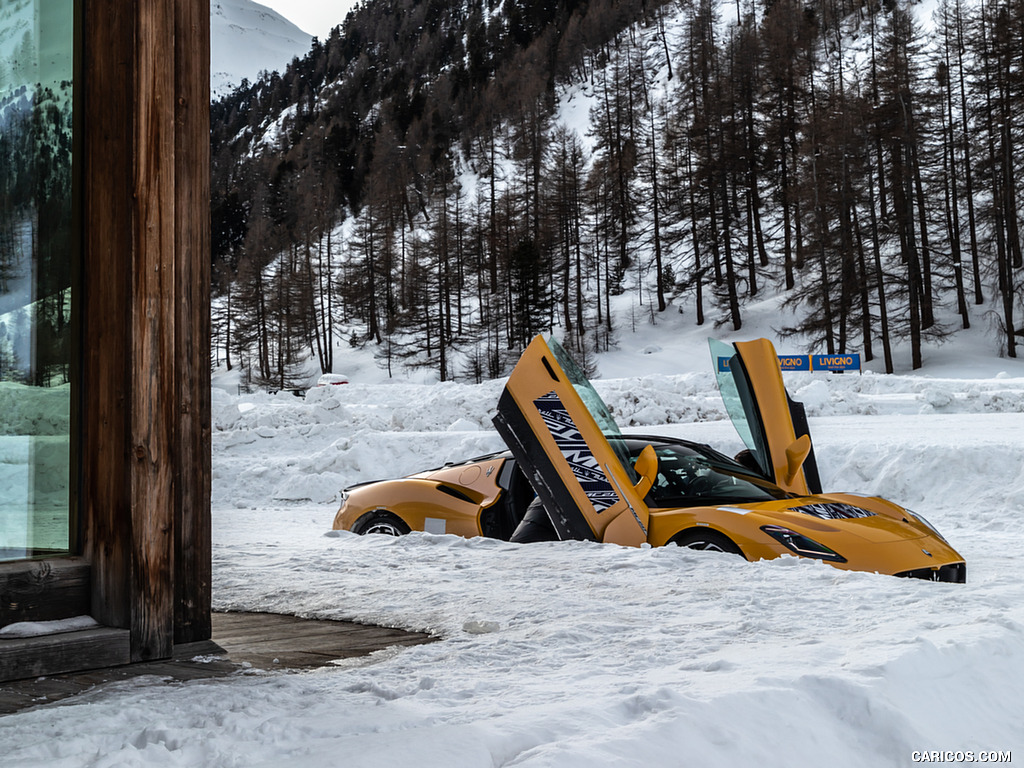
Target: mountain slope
{"x":439,"y":182}
{"x":247,"y":38}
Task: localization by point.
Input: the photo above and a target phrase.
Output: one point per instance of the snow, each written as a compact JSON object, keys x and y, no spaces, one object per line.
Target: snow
{"x":582,"y":654}
{"x":34,"y":448}
{"x":317,"y":16}
{"x":247,"y":38}
{"x":56,"y":627}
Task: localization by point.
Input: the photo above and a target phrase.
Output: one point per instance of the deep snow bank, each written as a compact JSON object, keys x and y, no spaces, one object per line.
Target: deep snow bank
{"x":581,"y":654}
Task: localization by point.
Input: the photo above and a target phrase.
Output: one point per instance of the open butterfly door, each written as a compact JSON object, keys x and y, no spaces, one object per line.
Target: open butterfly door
{"x":770,"y":422}
{"x":566,"y":442}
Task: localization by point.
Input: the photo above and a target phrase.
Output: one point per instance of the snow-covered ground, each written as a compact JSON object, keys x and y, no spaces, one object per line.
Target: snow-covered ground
{"x":579,"y":654}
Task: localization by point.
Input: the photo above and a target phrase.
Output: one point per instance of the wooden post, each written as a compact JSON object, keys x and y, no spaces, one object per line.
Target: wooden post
{"x":105,"y":291}
{"x":152,"y":321}
{"x":146,"y":380}
{"x":192,"y":547}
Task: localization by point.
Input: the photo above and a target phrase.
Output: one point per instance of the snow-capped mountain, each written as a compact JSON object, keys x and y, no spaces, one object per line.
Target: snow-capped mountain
{"x":247,"y":38}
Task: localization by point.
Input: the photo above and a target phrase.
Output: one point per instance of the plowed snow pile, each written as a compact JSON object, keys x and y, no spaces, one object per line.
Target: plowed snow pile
{"x":575,"y":654}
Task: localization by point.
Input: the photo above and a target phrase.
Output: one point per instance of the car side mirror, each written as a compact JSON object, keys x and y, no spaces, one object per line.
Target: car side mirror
{"x":647,"y":468}
{"x":796,"y":454}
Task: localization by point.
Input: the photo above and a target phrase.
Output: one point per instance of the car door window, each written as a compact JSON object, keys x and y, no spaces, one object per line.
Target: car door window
{"x":595,"y":404}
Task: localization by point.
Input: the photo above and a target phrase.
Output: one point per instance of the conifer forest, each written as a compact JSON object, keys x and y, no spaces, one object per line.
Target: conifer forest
{"x":423,"y":181}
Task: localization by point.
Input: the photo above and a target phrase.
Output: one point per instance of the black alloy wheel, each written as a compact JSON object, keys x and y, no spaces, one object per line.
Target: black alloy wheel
{"x":384,"y":523}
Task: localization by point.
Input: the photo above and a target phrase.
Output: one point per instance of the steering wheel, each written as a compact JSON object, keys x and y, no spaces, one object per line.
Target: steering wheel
{"x":701,"y":486}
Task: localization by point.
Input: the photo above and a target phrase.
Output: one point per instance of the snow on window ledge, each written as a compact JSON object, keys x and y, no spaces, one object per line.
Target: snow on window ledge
{"x":24,"y":629}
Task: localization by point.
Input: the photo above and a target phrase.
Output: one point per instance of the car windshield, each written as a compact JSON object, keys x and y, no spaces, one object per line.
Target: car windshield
{"x":687,"y":478}
{"x":593,"y":402}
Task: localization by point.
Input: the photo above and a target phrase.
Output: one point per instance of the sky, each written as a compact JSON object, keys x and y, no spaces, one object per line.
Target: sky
{"x":317,"y":17}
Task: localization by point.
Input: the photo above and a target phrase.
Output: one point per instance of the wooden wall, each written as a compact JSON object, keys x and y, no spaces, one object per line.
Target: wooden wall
{"x":141,"y":419}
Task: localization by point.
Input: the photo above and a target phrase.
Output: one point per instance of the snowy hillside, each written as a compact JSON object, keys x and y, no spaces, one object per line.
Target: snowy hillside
{"x":589,"y":252}
{"x":579,"y":654}
{"x":247,"y":38}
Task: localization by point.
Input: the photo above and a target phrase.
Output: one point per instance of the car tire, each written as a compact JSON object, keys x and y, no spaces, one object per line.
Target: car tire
{"x":384,"y":523}
{"x":707,"y":540}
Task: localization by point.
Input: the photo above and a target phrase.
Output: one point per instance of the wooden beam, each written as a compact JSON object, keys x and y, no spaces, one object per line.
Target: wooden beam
{"x":129,"y":292}
{"x":152,"y":323}
{"x":53,"y":654}
{"x":105,"y":292}
{"x":192,"y":544}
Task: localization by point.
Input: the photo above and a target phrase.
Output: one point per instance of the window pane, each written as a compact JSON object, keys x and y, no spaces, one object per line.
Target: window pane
{"x":36,"y":243}
{"x":593,"y":403}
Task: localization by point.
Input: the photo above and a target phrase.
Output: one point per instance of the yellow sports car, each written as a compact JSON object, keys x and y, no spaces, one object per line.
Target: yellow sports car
{"x":569,"y":473}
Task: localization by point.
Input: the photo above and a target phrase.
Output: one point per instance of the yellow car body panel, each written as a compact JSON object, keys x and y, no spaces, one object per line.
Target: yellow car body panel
{"x":445,"y":500}
{"x":773,"y":426}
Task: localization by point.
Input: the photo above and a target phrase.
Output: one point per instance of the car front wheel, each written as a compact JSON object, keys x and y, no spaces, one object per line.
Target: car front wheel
{"x":708,"y":540}
{"x":383,"y":523}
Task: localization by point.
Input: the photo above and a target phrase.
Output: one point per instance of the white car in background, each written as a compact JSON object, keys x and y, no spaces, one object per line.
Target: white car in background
{"x":331,"y":379}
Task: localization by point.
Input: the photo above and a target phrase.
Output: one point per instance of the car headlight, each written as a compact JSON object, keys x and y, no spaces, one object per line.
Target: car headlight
{"x":802,"y":545}
{"x":922,"y":519}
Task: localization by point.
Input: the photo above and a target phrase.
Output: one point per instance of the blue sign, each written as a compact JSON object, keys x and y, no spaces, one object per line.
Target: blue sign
{"x":847,"y":362}
{"x":795,"y":362}
{"x":786,"y":363}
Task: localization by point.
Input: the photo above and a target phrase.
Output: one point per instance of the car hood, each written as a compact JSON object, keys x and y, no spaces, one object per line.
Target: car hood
{"x":870,"y":518}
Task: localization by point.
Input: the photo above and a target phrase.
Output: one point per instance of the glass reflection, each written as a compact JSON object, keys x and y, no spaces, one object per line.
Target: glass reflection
{"x":36,"y":243}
